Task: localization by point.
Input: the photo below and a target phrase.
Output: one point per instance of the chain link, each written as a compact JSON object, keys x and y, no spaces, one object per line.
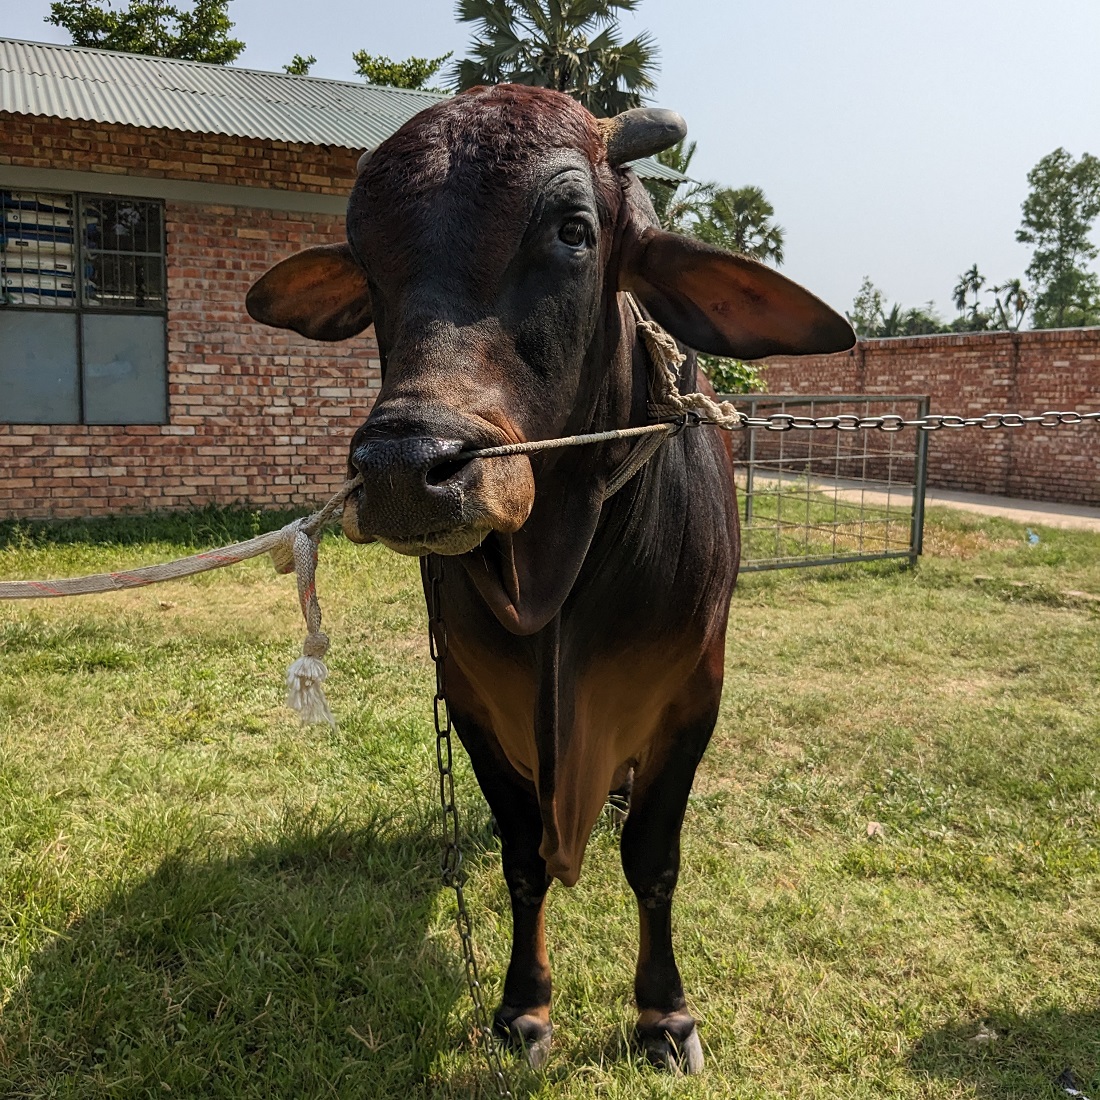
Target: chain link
{"x":432,"y":569}
{"x":892,"y":422}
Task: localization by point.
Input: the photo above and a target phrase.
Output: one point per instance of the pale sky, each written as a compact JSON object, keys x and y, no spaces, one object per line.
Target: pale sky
{"x":893,"y":138}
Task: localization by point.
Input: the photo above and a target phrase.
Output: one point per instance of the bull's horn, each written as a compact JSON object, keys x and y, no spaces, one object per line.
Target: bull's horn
{"x":362,"y":163}
{"x":641,"y":133}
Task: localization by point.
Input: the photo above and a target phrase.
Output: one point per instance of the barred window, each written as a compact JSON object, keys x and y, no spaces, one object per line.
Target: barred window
{"x":82,"y":309}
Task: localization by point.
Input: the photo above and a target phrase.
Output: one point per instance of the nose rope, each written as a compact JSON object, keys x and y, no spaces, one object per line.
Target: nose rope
{"x":671,"y":410}
{"x":293,"y":548}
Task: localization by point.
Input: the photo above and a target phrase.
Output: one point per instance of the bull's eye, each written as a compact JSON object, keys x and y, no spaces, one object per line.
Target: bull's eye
{"x":573,"y":233}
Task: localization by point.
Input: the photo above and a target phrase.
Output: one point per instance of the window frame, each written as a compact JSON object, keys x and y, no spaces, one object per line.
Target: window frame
{"x":81,"y":307}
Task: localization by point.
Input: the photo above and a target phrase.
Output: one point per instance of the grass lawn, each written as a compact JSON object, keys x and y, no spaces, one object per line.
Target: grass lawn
{"x":891,"y":882}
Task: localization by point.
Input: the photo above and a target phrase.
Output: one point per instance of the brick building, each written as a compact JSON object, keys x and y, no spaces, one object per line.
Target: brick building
{"x":139,"y":199}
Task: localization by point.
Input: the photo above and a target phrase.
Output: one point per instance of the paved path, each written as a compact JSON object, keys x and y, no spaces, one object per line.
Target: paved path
{"x":1078,"y":517}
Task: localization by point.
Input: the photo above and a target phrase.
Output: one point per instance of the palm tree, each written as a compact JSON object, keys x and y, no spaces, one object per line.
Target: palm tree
{"x":740,"y":219}
{"x":971,"y":282}
{"x":893,"y":323}
{"x":680,"y":208}
{"x":572,"y":46}
{"x":1012,"y":296}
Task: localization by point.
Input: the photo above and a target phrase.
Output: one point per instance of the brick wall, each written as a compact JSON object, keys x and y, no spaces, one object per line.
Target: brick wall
{"x":1028,"y":372}
{"x":255,"y":415}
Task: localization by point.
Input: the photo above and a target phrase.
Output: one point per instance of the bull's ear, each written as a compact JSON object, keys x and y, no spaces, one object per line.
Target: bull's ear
{"x":725,"y":304}
{"x":321,"y":293}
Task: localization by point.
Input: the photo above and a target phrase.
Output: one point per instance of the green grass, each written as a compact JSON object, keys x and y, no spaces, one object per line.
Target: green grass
{"x":199,"y":898}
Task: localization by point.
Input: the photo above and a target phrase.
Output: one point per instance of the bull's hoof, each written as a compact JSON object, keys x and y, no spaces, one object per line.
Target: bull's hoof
{"x":525,"y":1033}
{"x":671,"y":1043}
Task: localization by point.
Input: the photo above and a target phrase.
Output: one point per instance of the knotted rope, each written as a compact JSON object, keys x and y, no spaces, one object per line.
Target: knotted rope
{"x":292,"y":548}
{"x":665,"y":398}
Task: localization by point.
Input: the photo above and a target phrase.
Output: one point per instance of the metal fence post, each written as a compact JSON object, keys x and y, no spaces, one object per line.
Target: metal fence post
{"x":920,"y":479}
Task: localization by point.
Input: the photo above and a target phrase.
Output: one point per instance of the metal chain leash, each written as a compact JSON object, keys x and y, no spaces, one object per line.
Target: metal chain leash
{"x":432,"y":572}
{"x":784,"y":422}
{"x":892,"y":422}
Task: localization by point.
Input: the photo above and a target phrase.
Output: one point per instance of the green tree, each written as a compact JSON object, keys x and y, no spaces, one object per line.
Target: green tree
{"x":867,"y":313}
{"x":740,"y":219}
{"x":151,"y":27}
{"x":680,"y":207}
{"x":1011,"y":303}
{"x":300,"y":66}
{"x":1058,"y":214}
{"x":974,"y":319}
{"x":733,"y":375}
{"x":573,"y":46}
{"x":921,"y":321}
{"x":413,"y":72}
{"x":870,"y":319}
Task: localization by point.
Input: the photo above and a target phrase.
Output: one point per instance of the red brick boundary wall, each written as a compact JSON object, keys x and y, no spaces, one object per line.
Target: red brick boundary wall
{"x":1026,"y":372}
{"x":254,"y":415}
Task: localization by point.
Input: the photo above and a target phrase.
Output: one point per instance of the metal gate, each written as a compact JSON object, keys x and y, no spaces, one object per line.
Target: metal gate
{"x":825,"y":497}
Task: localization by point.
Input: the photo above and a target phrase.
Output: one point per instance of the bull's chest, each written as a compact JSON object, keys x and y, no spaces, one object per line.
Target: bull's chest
{"x":611,"y":699}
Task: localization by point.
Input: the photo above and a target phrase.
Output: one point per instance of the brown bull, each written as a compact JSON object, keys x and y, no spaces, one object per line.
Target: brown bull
{"x":490,"y":241}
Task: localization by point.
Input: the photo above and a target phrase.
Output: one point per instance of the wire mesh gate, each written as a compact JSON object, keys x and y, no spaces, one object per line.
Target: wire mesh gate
{"x":826,"y":497}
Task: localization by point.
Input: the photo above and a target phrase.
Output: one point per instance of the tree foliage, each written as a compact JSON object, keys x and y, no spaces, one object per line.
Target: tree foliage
{"x":733,"y":375}
{"x":413,"y":72}
{"x":1011,"y":303}
{"x":866,"y":313}
{"x":573,"y":46}
{"x":153,"y":27}
{"x":299,"y":65}
{"x":870,"y":318}
{"x":1058,"y":214}
{"x":967,"y":298}
{"x":679,"y":207}
{"x":740,"y":219}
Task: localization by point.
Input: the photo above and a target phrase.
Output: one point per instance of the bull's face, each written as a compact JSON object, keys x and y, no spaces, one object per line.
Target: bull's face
{"x":487,"y":240}
{"x":484,"y":262}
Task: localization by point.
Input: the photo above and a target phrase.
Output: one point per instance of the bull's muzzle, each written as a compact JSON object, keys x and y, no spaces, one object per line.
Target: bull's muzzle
{"x":422,"y":495}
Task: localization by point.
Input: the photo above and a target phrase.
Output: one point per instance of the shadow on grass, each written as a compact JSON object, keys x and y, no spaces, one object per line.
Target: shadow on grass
{"x":305,"y":967}
{"x":1009,"y":1055}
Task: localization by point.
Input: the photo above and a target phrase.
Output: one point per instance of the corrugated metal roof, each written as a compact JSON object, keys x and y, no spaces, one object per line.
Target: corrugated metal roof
{"x":103,"y":86}
{"x":651,"y":169}
{"x":73,"y":82}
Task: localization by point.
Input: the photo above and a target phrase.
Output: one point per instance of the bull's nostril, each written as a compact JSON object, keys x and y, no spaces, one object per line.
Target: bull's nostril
{"x":443,"y":472}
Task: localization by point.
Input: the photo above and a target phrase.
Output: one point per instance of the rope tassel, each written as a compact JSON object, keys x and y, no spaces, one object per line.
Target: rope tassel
{"x":305,"y":677}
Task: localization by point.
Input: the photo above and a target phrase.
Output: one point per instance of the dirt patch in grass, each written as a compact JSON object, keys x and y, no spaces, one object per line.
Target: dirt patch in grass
{"x":963,"y":545}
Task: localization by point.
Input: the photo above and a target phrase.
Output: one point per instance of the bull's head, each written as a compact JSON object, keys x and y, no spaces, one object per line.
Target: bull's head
{"x":487,"y":241}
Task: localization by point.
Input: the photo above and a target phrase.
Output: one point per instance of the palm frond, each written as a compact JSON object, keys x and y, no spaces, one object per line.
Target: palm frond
{"x":571,"y":45}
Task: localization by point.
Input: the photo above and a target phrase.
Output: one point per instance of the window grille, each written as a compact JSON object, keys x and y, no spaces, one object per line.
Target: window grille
{"x":82,"y":309}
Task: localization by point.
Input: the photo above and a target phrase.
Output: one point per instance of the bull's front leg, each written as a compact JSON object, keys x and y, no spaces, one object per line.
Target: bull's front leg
{"x":650,"y":848}
{"x":523,"y":1017}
